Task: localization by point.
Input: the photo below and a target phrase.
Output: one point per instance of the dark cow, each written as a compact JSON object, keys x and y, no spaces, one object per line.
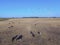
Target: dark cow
{"x":14,"y":38}
{"x":19,"y":37}
{"x":32,"y":34}
{"x":11,"y":27}
{"x":38,"y":32}
{"x":49,"y":39}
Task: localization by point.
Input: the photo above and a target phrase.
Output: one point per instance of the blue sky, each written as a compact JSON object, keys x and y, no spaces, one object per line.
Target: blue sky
{"x":26,"y":8}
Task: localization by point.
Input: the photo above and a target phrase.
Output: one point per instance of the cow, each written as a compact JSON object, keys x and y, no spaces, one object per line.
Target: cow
{"x":32,"y":34}
{"x":13,"y":38}
{"x":19,"y":37}
{"x":39,"y":33}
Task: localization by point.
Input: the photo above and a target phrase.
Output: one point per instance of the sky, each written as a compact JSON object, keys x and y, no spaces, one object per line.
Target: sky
{"x":29,"y":8}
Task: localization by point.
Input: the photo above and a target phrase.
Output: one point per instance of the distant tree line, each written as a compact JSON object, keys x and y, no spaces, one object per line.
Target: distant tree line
{"x":28,"y":17}
{"x":40,"y":17}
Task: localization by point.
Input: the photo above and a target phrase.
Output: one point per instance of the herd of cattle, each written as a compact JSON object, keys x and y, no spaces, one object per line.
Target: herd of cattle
{"x":19,"y":37}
